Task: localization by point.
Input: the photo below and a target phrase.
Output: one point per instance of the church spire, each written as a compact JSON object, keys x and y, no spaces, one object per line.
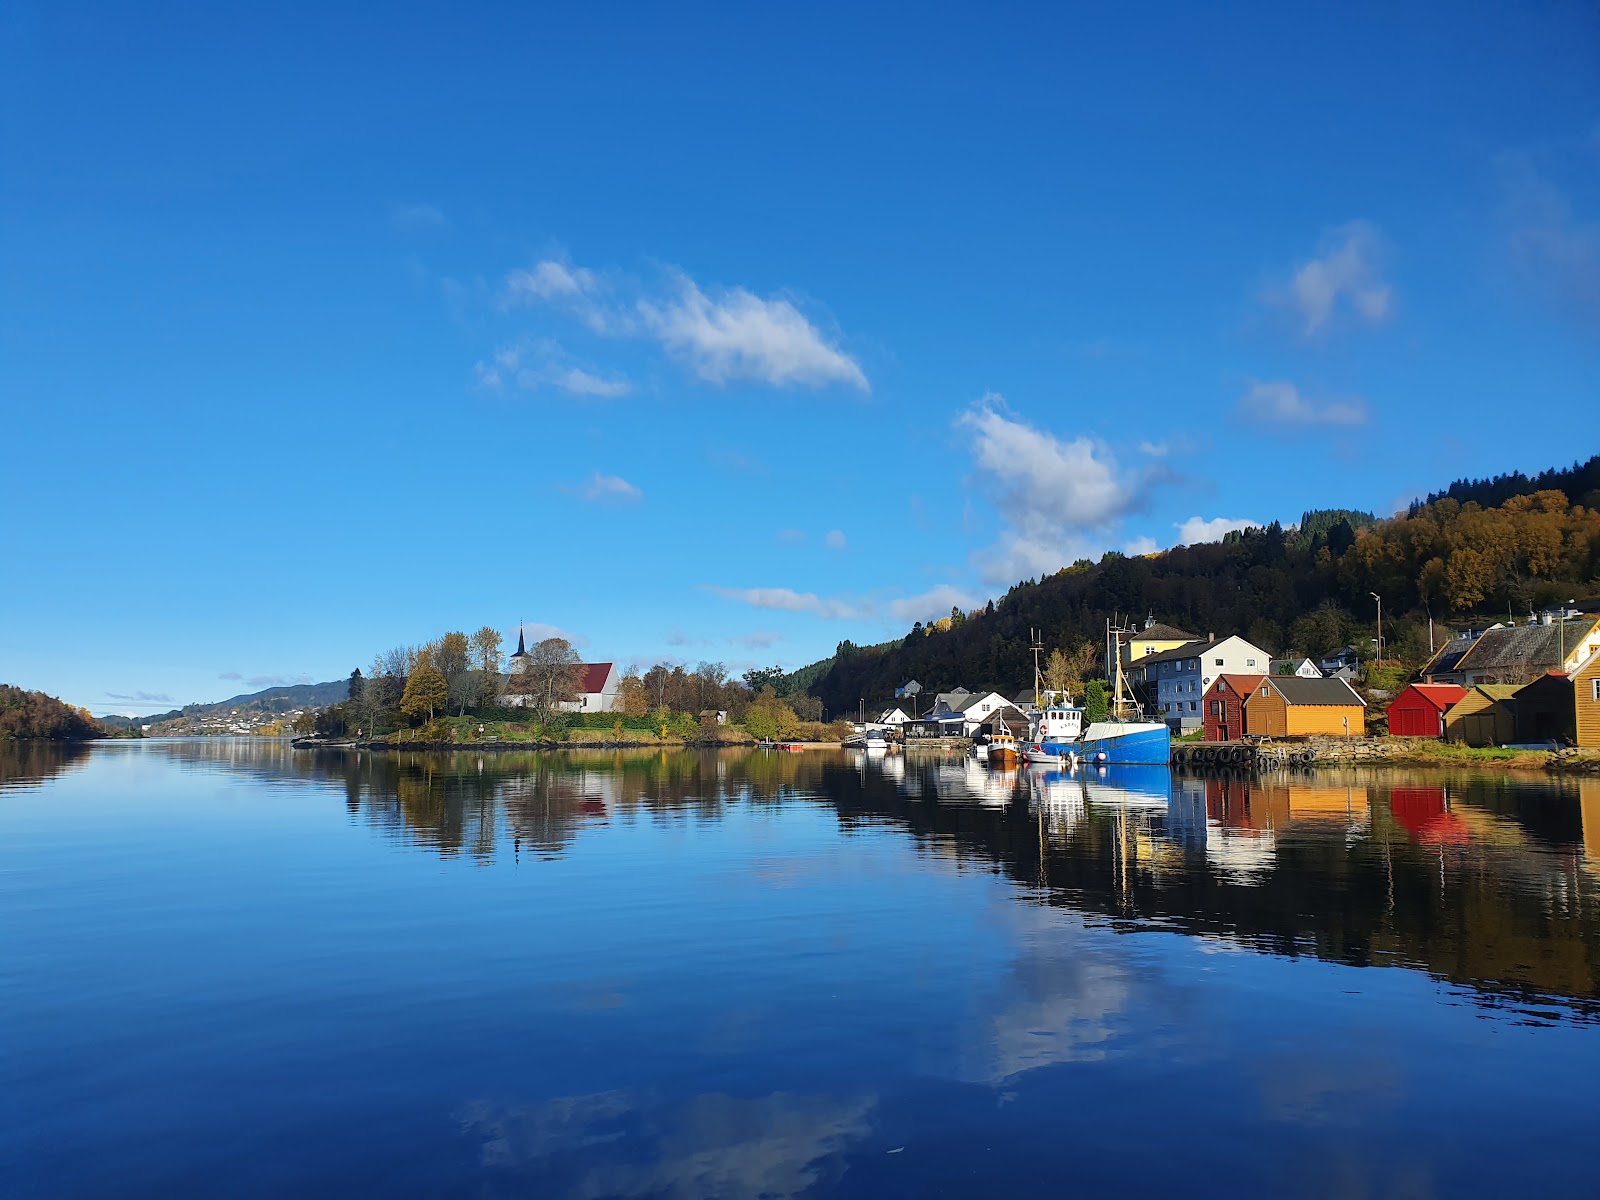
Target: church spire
{"x":521,"y":650}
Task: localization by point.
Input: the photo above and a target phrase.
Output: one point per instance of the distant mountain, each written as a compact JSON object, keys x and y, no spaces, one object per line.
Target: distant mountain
{"x":269,"y":700}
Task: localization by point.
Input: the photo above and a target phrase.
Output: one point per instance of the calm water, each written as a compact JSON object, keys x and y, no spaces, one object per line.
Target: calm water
{"x":235,"y":969}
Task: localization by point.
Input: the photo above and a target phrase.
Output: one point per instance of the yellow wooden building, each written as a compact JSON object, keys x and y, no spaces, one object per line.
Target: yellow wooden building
{"x":1586,"y":700}
{"x":1485,"y":716}
{"x":1289,"y":706}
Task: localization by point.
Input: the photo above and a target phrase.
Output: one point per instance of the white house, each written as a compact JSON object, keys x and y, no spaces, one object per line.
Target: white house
{"x":1304,"y":668}
{"x":1181,"y":676}
{"x":893,"y":716}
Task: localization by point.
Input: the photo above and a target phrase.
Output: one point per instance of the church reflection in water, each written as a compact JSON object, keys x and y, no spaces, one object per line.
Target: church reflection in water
{"x":1491,"y":883}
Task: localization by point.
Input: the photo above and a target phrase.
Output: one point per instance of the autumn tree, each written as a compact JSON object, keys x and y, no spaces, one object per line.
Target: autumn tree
{"x":452,"y":656}
{"x":486,"y":660}
{"x":635,"y":696}
{"x":426,"y":693}
{"x":551,"y":676}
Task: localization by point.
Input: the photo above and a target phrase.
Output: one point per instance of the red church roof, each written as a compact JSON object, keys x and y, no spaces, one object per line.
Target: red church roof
{"x":592,"y":677}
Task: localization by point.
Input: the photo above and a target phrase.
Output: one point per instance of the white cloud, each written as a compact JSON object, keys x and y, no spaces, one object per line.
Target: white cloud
{"x":836,"y":539}
{"x":1278,"y":402}
{"x":550,"y":280}
{"x":789,"y":600}
{"x":603,"y":488}
{"x":142,"y":697}
{"x":723,"y":335}
{"x":738,"y":335}
{"x":791,"y":537}
{"x":1140,"y":546}
{"x":1051,"y":494}
{"x":578,"y":382}
{"x":930,"y":605}
{"x":1199,"y":529}
{"x":1344,"y":275}
{"x":1154,"y":449}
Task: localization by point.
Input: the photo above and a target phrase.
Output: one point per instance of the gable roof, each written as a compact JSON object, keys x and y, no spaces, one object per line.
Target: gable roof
{"x":1176,"y":654}
{"x":1160,"y":633}
{"x":1439,"y":695}
{"x":1296,"y":689}
{"x":1494,"y":691}
{"x":592,"y":677}
{"x":1527,"y":648}
{"x":1242,"y":684}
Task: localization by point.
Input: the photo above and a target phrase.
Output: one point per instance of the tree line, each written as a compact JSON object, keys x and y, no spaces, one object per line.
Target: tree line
{"x":461,"y":675}
{"x":1299,"y":591}
{"x":25,"y":714}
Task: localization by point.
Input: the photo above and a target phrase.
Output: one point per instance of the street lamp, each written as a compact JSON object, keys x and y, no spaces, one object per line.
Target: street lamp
{"x":1379,"y":599}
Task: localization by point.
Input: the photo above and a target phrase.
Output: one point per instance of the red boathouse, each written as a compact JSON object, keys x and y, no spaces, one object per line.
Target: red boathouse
{"x":1419,"y":710}
{"x":1224,"y":706}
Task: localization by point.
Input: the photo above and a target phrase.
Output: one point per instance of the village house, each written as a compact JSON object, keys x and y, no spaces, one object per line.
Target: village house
{"x":1224,"y":706}
{"x":1586,"y":703}
{"x":1288,"y":706}
{"x":1153,"y":639}
{"x":1485,"y":716}
{"x":1516,"y":654}
{"x":1177,"y":679}
{"x":1418,"y":711}
{"x":894,"y":716}
{"x":1302,"y":667}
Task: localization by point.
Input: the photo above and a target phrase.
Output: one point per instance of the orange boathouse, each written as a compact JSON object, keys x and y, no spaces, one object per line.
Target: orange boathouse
{"x":1289,"y":706}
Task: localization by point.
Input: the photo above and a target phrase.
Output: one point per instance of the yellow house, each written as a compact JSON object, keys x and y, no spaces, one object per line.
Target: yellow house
{"x":1153,"y":639}
{"x":1586,"y":699}
{"x":1483,"y":717}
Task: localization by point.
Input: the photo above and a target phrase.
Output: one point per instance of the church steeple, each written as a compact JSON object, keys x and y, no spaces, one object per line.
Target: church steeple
{"x":521,"y":648}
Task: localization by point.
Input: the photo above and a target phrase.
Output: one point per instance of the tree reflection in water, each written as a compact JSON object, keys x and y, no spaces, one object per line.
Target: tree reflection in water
{"x":1491,"y":883}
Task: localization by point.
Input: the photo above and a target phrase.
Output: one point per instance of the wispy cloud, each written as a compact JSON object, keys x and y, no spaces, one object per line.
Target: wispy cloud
{"x":141,"y":697}
{"x":417,"y":218}
{"x":759,"y":640}
{"x":1344,"y":276}
{"x":934,"y":603}
{"x":538,"y":631}
{"x":791,"y":537}
{"x":1201,"y":529}
{"x":1280,"y":403}
{"x":836,"y":539}
{"x":539,"y":363}
{"x":723,"y":335}
{"x":1054,"y":496}
{"x":1556,"y":251}
{"x":785,"y":599}
{"x":601,"y":488}
{"x":231,"y":676}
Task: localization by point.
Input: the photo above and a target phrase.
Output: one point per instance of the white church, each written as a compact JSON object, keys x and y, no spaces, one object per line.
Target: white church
{"x":599,"y":684}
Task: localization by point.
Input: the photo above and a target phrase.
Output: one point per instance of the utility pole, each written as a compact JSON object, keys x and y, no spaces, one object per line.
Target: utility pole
{"x":1379,"y":599}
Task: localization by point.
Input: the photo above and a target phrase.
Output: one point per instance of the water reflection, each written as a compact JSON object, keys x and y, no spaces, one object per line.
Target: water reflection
{"x":29,"y":764}
{"x":1487,"y":882}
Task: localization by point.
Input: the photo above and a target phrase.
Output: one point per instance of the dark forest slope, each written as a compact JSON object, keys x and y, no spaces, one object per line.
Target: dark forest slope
{"x":1306,"y":591}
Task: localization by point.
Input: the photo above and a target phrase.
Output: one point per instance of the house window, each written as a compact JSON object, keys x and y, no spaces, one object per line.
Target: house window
{"x":1265,"y":689}
{"x":1249,"y":662}
{"x":1193,"y":706}
{"x":1597,"y":691}
{"x":1219,"y":662}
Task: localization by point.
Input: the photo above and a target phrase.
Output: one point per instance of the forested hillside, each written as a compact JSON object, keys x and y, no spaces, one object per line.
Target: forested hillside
{"x":26,"y":714}
{"x":1305,"y":591}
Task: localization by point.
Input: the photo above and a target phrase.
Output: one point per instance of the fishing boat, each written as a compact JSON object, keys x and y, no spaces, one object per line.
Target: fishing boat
{"x":1002,"y":748}
{"x":1057,"y":737}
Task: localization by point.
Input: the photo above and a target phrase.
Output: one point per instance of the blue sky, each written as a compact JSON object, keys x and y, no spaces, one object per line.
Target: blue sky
{"x":720,"y":332}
